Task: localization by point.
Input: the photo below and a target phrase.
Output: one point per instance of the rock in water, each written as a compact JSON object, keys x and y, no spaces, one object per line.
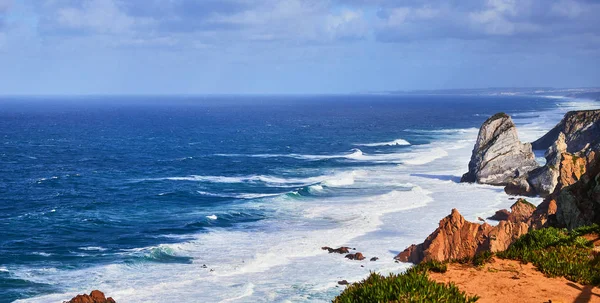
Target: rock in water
{"x":499,"y":157}
{"x":580,"y":128}
{"x":95,"y":296}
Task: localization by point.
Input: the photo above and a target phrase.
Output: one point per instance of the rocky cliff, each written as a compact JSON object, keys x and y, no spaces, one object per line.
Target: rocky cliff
{"x":580,"y":128}
{"x":457,"y":238}
{"x":499,"y":157}
{"x":570,"y":180}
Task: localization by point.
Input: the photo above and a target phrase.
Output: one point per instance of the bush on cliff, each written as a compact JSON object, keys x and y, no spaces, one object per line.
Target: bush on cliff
{"x":412,"y":286}
{"x":557,"y":252}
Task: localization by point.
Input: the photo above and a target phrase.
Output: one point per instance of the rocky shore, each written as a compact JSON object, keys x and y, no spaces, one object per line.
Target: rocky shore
{"x":470,"y":261}
{"x":569,"y":181}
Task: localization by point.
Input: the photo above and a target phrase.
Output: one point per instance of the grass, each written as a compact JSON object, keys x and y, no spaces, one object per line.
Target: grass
{"x":412,"y":286}
{"x":558,"y":252}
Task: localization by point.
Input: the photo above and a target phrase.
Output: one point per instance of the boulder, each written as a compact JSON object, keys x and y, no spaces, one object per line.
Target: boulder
{"x":357,"y":256}
{"x":95,"y":296}
{"x":581,"y":129}
{"x":521,"y":211}
{"x":498,"y":156}
{"x":340,"y":250}
{"x":456,"y":238}
{"x":500,"y":215}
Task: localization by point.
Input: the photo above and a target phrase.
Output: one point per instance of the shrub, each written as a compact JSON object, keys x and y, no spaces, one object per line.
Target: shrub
{"x":412,"y":286}
{"x":557,"y":252}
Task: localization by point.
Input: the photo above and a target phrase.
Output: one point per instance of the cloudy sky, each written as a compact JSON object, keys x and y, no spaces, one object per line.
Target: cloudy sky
{"x":294,"y":46}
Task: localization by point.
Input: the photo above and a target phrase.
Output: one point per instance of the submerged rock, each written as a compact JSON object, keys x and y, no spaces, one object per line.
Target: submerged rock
{"x":498,"y":156}
{"x":95,"y":296}
{"x":340,"y":250}
{"x":581,"y":129}
{"x":357,"y":256}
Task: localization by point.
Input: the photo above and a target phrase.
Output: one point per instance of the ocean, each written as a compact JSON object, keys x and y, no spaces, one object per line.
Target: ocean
{"x":230,"y":198}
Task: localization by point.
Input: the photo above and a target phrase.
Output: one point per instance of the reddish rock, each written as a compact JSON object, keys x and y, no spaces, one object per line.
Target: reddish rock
{"x":521,"y":211}
{"x":456,"y":238}
{"x":340,"y":250}
{"x":357,"y":256}
{"x":95,"y":296}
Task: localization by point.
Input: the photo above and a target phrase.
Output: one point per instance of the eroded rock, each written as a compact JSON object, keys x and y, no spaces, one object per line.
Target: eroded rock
{"x":498,"y":156}
{"x":457,"y":238}
{"x":95,"y":296}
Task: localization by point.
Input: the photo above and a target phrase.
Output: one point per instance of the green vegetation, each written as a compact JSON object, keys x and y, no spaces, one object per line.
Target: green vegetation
{"x":558,"y":252}
{"x":412,"y":286}
{"x":498,"y":116}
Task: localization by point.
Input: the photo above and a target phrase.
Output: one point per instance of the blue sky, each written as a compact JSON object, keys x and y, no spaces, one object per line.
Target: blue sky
{"x":294,"y":46}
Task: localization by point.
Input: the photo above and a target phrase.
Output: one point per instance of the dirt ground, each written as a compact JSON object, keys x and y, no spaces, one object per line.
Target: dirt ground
{"x":511,"y":281}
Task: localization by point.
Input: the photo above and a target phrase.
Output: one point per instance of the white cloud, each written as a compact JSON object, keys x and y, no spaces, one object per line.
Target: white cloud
{"x":101,"y":16}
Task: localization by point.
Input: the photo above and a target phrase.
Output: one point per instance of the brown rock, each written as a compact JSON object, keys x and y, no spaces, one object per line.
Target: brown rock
{"x":500,"y":215}
{"x":95,"y":296}
{"x":357,"y":256}
{"x":521,"y":211}
{"x":340,"y":250}
{"x":456,"y":238}
{"x":343,"y":282}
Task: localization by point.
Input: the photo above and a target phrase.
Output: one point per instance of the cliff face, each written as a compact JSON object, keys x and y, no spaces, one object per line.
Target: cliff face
{"x":499,"y":157}
{"x":580,"y":128}
{"x":579,"y":203}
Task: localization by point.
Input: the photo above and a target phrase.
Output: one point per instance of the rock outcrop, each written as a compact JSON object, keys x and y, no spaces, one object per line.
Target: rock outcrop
{"x":520,"y":211}
{"x":499,"y":157}
{"x":457,"y":238}
{"x":581,"y":129}
{"x":95,"y":296}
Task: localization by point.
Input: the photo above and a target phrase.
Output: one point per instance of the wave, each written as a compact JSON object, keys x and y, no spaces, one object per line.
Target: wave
{"x":238,"y":195}
{"x":427,"y":156}
{"x":397,"y":142}
{"x":444,"y":131}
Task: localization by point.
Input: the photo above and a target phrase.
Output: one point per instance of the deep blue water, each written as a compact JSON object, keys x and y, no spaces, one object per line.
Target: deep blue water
{"x":84,"y":180}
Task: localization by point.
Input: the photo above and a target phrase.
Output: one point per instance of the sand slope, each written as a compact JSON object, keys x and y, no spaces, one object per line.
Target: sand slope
{"x":511,"y":281}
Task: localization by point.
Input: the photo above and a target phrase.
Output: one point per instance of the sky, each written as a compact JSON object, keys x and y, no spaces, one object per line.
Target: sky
{"x":294,"y":46}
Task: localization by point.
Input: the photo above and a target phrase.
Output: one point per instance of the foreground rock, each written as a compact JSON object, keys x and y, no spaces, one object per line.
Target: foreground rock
{"x":95,"y":296}
{"x":581,"y":129}
{"x":456,"y":238}
{"x":499,"y":157}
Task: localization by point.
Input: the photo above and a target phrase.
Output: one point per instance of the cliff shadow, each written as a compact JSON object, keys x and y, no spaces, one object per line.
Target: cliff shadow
{"x":587,"y":292}
{"x":454,"y":179}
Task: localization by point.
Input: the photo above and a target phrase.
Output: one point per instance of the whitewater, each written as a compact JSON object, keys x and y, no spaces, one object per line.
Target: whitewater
{"x":377,"y":209}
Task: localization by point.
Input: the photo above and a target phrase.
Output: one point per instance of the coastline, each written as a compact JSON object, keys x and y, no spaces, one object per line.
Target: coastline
{"x":379,"y":233}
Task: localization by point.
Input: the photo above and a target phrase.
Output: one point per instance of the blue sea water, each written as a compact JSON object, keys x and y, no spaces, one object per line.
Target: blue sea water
{"x":126,"y":185}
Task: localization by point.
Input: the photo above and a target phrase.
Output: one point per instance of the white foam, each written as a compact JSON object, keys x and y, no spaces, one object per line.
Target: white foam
{"x":397,"y":142}
{"x":212,"y":217}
